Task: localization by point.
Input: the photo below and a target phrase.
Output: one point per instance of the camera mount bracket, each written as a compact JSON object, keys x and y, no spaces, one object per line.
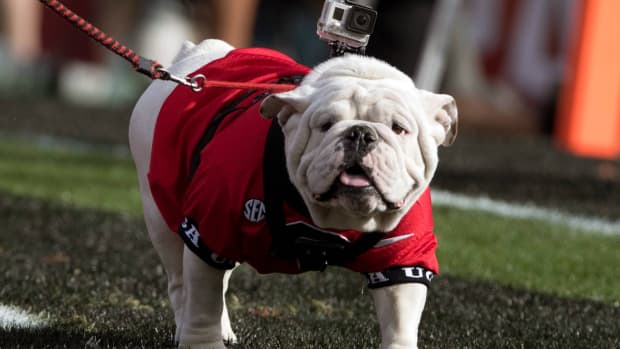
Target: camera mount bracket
{"x":338,"y":48}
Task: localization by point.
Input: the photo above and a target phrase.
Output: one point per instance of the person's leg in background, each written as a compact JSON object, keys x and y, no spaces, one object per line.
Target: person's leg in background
{"x":231,"y":21}
{"x":488,"y":101}
{"x":22,"y":50}
{"x":536,"y":59}
{"x":22,"y":26}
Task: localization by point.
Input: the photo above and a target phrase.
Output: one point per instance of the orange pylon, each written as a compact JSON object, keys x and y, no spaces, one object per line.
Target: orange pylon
{"x":588,"y":122}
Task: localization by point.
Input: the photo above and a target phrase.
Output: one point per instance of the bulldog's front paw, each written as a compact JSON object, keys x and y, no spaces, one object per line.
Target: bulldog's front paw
{"x":201,"y":338}
{"x":412,"y":345}
{"x":217,"y":345}
{"x":228,"y":335}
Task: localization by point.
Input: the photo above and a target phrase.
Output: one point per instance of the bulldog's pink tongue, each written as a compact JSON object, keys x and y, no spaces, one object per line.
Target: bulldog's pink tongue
{"x":354,"y":180}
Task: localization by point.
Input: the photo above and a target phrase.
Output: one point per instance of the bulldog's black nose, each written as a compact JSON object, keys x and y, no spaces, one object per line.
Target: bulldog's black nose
{"x":362,"y":138}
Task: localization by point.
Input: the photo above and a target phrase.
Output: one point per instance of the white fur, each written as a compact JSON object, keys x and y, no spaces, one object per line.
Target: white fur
{"x":359,"y":90}
{"x":196,"y":289}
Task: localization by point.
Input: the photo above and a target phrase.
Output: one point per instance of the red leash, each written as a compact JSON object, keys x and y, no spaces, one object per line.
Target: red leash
{"x":149,"y":67}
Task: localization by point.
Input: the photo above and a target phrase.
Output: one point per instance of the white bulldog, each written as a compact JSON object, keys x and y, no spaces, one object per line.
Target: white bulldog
{"x":360,"y":147}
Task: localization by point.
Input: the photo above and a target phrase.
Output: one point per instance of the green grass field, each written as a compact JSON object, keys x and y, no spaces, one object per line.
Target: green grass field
{"x":74,"y":251}
{"x":533,"y":255}
{"x":84,"y":178}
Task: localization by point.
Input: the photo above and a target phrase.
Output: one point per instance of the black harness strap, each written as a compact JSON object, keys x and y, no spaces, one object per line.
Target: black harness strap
{"x":213,"y":125}
{"x":225,"y":111}
{"x":313,"y":248}
{"x":278,"y":189}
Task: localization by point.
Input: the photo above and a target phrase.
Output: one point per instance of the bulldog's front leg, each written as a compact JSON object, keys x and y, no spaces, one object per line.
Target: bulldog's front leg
{"x":399,"y":309}
{"x":203,"y":304}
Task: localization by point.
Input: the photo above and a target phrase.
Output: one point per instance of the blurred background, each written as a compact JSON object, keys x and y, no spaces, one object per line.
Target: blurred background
{"x":504,"y":60}
{"x":512,"y":65}
{"x":509,"y":54}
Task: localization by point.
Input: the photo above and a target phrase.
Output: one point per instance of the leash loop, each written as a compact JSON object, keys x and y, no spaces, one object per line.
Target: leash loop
{"x":197,"y":82}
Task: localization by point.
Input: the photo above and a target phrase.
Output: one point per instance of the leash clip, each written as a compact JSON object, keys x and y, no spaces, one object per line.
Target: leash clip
{"x":196,"y":82}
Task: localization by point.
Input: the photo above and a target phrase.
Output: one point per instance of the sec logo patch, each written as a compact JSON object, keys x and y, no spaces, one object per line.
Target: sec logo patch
{"x":254,"y":210}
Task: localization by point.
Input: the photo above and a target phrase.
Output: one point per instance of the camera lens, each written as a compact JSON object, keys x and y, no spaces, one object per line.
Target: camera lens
{"x":361,"y":20}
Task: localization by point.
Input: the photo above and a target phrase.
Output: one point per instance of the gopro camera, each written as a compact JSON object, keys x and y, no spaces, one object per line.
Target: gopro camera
{"x":346,"y":26}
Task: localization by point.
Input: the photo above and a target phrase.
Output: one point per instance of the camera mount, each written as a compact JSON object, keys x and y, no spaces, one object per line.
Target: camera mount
{"x":337,"y":48}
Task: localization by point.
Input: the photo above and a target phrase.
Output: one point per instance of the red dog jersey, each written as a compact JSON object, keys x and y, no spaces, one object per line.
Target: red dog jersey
{"x":224,"y":197}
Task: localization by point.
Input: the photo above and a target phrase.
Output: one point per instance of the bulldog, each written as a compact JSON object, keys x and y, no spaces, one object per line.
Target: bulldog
{"x":335,"y":172}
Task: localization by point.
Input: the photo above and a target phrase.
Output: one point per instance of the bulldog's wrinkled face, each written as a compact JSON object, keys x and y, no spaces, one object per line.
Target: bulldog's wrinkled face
{"x":361,"y":141}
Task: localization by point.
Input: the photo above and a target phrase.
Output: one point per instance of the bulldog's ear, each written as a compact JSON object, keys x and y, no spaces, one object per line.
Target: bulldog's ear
{"x":283,"y":105}
{"x":443,"y":114}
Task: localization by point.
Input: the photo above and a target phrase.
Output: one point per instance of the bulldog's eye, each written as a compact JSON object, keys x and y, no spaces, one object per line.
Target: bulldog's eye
{"x":399,"y":130}
{"x":326,"y":126}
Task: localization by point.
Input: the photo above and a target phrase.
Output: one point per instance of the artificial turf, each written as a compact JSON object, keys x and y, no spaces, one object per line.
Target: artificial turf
{"x":529,"y":254}
{"x":96,"y":278}
{"x":86,"y":177}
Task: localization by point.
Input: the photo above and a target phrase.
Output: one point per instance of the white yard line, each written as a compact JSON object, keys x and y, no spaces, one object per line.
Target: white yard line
{"x":525,"y":211}
{"x":14,"y":317}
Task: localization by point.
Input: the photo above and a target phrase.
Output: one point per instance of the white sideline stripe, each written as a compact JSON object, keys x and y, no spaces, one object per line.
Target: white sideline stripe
{"x":14,"y":317}
{"x":520,"y":211}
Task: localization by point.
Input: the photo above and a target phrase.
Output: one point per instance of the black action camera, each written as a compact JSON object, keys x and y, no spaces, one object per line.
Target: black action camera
{"x":346,"y":26}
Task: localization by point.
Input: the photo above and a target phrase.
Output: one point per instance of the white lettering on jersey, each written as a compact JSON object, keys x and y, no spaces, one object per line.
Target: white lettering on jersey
{"x":191,"y":232}
{"x":254,"y":210}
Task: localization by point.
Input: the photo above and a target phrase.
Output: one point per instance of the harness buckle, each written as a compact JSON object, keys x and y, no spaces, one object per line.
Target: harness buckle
{"x":313,"y":254}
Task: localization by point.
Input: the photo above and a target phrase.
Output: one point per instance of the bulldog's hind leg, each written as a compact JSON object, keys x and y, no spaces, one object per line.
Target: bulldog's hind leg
{"x":168,"y":245}
{"x":204,"y":304}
